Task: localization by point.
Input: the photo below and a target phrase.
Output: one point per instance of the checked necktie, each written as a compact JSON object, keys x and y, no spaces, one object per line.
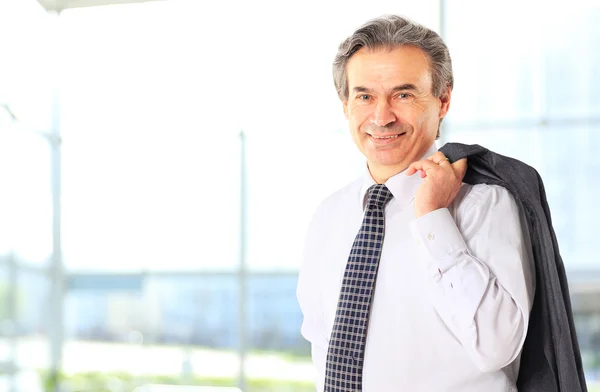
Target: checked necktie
{"x":346,"y":352}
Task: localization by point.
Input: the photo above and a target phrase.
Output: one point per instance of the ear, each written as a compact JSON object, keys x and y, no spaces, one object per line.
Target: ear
{"x":345,"y":105}
{"x":445,"y":102}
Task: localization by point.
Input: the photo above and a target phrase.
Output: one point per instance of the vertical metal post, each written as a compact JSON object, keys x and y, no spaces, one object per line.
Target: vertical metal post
{"x":443,"y":17}
{"x":56,"y":272}
{"x":242,"y":274}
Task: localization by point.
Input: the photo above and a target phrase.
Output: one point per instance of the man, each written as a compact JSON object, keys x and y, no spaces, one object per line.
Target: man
{"x":451,"y":262}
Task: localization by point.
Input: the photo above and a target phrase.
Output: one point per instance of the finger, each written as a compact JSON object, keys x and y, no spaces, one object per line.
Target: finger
{"x":423,"y":164}
{"x":437,"y":157}
{"x":460,"y":166}
{"x":410,"y":170}
{"x":422,"y":167}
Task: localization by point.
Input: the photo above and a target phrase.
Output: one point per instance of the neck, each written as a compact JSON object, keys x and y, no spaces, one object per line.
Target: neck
{"x":383,"y":173}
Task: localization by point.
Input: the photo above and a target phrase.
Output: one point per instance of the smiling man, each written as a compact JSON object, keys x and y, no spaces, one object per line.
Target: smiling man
{"x":411,"y":280}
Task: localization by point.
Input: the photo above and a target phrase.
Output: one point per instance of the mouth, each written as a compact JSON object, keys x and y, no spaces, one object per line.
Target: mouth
{"x":383,"y":139}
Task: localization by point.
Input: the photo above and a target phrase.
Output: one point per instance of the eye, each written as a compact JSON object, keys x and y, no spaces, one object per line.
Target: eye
{"x":404,"y":95}
{"x":364,"y":97}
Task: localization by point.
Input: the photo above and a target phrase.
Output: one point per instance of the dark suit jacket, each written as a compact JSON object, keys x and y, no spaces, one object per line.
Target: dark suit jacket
{"x":551,"y":361}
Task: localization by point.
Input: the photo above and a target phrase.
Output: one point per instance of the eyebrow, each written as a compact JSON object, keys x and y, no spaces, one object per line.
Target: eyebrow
{"x":401,"y":87}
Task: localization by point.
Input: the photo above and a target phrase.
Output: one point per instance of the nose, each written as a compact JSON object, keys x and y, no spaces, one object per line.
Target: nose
{"x":383,"y":114}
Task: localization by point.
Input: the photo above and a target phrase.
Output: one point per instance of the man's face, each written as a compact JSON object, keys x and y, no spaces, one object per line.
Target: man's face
{"x":392,"y":113}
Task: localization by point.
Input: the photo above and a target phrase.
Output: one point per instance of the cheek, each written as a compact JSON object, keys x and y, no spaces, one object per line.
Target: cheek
{"x":425,"y":117}
{"x":357,"y":115}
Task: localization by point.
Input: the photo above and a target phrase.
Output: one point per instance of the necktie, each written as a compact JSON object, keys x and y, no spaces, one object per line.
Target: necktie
{"x":346,"y":352}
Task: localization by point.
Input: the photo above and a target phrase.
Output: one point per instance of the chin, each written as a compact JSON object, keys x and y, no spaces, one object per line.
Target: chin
{"x":385,"y":159}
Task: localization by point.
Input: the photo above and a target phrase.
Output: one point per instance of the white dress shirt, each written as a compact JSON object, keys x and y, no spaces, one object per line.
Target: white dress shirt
{"x":453,"y":292}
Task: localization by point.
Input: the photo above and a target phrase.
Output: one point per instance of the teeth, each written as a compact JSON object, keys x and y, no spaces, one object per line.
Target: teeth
{"x":385,"y":137}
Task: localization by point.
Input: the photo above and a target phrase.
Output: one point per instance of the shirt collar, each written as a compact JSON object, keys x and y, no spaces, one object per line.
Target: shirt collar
{"x":402,"y":187}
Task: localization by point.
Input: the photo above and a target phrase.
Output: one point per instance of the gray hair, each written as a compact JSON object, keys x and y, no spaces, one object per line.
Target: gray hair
{"x":388,"y":32}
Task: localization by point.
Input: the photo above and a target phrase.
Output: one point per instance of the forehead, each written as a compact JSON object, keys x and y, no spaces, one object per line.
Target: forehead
{"x":386,"y":68}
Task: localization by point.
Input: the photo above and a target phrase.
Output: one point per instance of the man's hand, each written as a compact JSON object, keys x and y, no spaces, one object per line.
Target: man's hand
{"x":442,"y":181}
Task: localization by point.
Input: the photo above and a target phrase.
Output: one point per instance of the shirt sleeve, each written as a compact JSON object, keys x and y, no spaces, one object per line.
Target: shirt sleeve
{"x":479,"y":263}
{"x":309,"y":298}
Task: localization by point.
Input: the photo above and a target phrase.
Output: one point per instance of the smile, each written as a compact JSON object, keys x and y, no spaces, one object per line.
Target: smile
{"x":386,"y":137}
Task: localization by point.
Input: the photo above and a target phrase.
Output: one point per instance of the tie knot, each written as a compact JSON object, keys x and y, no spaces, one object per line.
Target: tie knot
{"x":377,"y":196}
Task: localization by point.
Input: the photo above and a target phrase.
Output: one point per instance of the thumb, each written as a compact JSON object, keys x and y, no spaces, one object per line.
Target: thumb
{"x":460,"y":167}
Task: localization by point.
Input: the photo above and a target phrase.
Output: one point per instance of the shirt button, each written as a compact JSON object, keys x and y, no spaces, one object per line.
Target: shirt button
{"x":431,"y":236}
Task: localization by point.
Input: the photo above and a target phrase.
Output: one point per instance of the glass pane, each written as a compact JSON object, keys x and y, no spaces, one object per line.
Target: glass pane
{"x":278,"y":353}
{"x":572,"y":60}
{"x":152,"y":182}
{"x":285,"y":186}
{"x":28,"y":43}
{"x":496,"y":71}
{"x":162,"y":208}
{"x":174,"y":328}
{"x":586,"y":308}
{"x":33,"y":350}
{"x":26,"y":200}
{"x":549,"y":71}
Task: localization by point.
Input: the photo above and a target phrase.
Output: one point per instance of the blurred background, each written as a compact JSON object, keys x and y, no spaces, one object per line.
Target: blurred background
{"x":159,"y":163}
